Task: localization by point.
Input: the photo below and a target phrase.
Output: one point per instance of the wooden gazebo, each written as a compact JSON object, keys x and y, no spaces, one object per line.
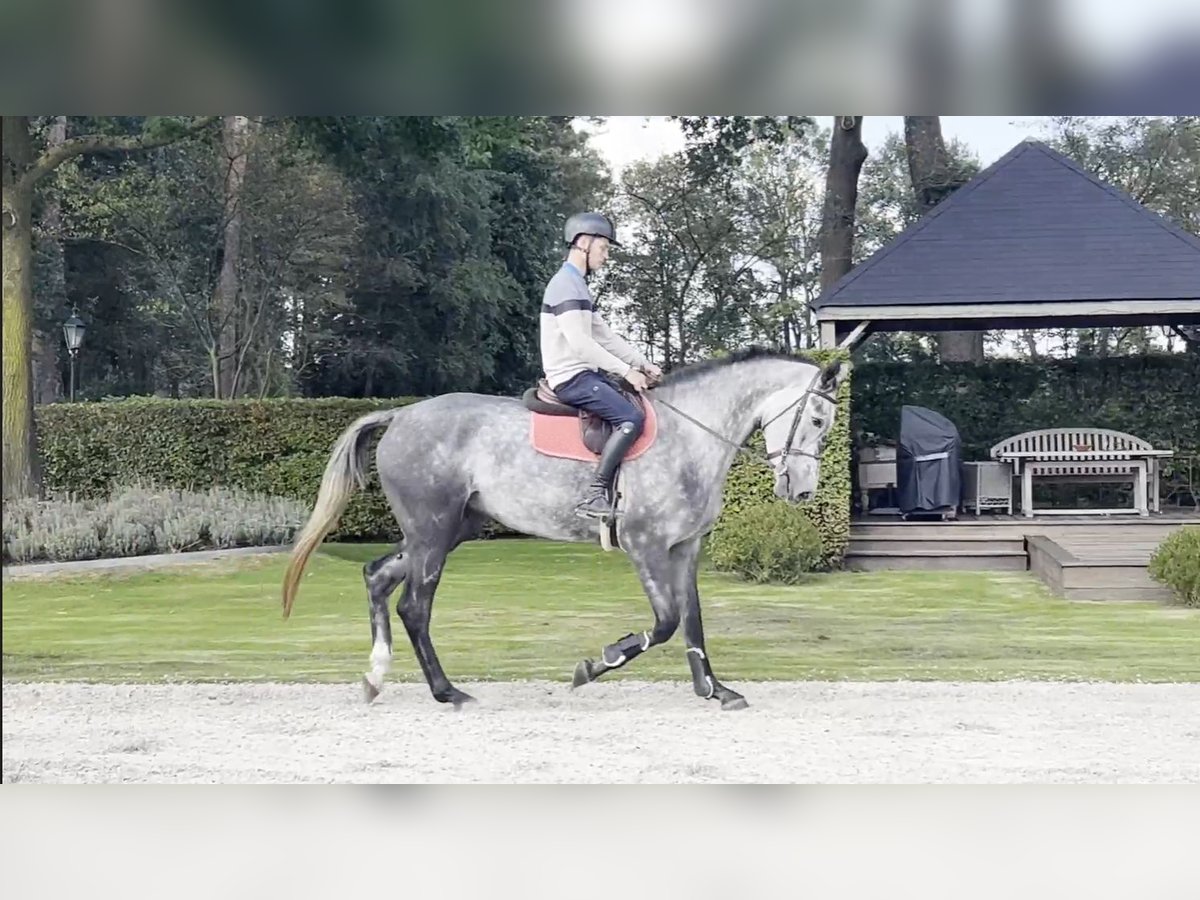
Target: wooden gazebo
{"x":1033,"y":241}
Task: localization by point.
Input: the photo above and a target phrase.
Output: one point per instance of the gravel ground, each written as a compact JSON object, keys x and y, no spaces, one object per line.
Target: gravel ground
{"x":617,"y":732}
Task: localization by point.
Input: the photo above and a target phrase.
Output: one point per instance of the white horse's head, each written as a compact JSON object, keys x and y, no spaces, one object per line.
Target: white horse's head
{"x":795,"y":421}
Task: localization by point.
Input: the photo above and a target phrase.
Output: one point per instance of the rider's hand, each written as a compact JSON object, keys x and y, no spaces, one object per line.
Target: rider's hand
{"x":637,"y":380}
{"x":653,"y":372}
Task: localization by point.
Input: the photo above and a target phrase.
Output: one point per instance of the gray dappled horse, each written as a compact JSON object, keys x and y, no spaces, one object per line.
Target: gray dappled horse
{"x":449,"y":463}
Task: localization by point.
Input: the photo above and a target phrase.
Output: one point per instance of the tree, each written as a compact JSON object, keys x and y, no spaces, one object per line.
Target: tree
{"x":933,"y":179}
{"x":237,"y":138}
{"x":716,"y":145}
{"x":847,"y":153}
{"x":675,"y":278}
{"x":23,"y":168}
{"x":782,"y":209}
{"x":1154,"y":159}
{"x":233,"y":279}
{"x":50,"y":303}
{"x":724,"y":242}
{"x":462,"y":229}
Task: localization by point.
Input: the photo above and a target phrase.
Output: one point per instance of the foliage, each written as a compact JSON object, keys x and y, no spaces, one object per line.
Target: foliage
{"x":781,"y":190}
{"x":1155,"y":397}
{"x":667,"y":280}
{"x":751,"y":483}
{"x":464,"y":218}
{"x":147,"y":244}
{"x":721,"y":261}
{"x":1176,"y":563}
{"x":716,"y":144}
{"x":140,"y":520}
{"x":1154,"y":159}
{"x":278,"y":448}
{"x":379,"y":255}
{"x":767,"y":542}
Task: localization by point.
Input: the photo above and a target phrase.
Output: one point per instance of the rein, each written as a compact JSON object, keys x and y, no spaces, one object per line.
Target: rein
{"x":787,"y":447}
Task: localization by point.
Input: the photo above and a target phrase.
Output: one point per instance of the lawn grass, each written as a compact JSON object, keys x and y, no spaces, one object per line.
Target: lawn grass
{"x":531,"y":609}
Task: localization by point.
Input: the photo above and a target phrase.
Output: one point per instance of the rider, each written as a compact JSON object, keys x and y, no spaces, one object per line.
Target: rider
{"x":577,"y":346}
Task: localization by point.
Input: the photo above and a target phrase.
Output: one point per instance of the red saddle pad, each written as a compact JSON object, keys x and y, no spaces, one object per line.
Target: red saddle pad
{"x":560,"y":436}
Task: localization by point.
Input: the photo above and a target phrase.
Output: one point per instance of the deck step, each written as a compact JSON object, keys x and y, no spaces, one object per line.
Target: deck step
{"x":1148,"y":532}
{"x":1109,"y":554}
{"x":1094,"y":572}
{"x":937,"y":560}
{"x":946,"y":544}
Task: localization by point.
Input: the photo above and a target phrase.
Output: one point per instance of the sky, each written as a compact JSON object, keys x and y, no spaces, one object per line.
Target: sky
{"x":626,"y":139}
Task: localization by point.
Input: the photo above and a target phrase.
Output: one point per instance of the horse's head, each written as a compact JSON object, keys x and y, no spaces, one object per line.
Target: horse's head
{"x":795,"y":422}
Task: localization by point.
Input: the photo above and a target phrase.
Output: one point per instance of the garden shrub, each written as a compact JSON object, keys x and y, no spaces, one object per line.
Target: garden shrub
{"x":141,"y":520}
{"x":1176,"y":563}
{"x":774,"y":541}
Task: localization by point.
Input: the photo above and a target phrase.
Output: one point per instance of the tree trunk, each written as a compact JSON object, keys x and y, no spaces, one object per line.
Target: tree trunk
{"x":960,"y":346}
{"x":21,"y":476}
{"x":847,"y":153}
{"x":47,"y":378}
{"x":683,"y":341}
{"x":929,"y":171}
{"x":1029,"y":336}
{"x":236,"y":137}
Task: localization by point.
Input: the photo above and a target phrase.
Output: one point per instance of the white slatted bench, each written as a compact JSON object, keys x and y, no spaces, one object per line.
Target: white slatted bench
{"x":1083,"y":455}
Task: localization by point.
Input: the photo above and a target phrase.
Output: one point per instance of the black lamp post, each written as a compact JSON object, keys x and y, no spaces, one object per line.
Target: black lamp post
{"x":73,"y":330}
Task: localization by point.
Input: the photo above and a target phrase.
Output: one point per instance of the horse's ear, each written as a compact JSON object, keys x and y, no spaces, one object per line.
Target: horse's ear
{"x":834,"y":373}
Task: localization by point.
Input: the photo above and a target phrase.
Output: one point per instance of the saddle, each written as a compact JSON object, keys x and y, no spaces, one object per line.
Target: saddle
{"x":553,"y":432}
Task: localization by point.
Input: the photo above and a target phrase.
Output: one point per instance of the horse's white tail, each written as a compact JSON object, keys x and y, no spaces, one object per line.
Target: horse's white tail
{"x":343,"y":473}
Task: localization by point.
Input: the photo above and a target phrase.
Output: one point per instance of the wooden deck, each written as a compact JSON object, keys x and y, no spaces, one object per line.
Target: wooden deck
{"x":1078,"y":557}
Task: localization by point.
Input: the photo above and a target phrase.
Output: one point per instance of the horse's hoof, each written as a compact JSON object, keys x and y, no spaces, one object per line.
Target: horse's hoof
{"x":734,"y":702}
{"x":370,"y":692}
{"x":456,"y":698}
{"x":583,"y":674}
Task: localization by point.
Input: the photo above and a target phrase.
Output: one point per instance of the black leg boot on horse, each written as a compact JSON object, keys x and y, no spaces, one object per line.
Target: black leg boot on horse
{"x":598,"y":502}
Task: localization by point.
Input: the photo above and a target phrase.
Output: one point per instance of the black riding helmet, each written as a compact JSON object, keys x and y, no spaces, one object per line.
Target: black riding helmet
{"x":590,"y":223}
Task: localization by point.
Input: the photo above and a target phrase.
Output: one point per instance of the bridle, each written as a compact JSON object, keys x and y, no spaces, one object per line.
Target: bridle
{"x":787,"y":450}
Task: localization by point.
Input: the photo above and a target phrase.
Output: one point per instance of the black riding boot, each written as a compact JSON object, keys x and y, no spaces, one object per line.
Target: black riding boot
{"x":598,"y":500}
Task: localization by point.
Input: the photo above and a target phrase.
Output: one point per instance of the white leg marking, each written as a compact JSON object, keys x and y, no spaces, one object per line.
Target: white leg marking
{"x":381,"y":662}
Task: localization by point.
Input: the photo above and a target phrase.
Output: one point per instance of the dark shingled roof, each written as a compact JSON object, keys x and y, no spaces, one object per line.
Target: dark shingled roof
{"x":1033,"y":227}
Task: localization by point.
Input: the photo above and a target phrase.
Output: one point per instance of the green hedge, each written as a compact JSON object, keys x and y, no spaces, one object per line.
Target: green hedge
{"x":751,"y":482}
{"x":1155,"y":397}
{"x":273,"y":447}
{"x":280,"y":448}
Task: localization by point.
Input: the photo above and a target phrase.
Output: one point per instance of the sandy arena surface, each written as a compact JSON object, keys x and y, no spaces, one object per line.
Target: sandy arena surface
{"x":619,"y":732}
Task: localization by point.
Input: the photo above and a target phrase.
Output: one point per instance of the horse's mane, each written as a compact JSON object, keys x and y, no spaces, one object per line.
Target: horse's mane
{"x":693,"y":370}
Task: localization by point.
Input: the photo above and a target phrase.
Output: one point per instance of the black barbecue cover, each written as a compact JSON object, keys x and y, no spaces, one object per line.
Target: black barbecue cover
{"x":928,"y":461}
